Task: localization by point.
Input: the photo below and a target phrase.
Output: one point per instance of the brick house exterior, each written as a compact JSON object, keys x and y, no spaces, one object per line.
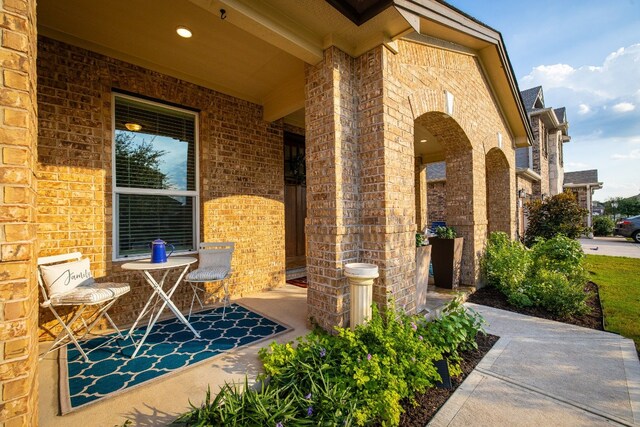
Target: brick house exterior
{"x":540,"y":167}
{"x":381,"y":100}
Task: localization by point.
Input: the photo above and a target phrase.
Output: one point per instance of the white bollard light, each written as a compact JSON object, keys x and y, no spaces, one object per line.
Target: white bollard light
{"x":361,"y":278}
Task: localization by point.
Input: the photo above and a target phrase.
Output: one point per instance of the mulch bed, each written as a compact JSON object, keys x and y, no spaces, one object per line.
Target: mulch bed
{"x":494,"y":298}
{"x":430,"y":402}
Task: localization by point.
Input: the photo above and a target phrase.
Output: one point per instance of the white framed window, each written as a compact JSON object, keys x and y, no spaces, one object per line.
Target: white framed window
{"x":155,"y":177}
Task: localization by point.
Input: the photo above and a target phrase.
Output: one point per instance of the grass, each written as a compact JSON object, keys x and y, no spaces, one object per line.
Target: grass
{"x":618,"y":279}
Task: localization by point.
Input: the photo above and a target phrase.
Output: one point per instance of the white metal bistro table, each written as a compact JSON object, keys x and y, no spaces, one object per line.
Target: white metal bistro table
{"x":146,"y":266}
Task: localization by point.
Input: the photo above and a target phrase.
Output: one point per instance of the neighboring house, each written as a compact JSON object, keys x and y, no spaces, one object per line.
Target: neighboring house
{"x":597,"y":208}
{"x":582,"y":184}
{"x":125,"y":131}
{"x":540,"y":167}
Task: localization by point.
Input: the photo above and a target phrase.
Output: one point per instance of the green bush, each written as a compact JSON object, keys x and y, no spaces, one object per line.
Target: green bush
{"x":550,"y":275}
{"x":603,"y":226}
{"x":555,"y":215}
{"x":352,"y":378}
{"x":443,"y":232}
{"x":506,"y":263}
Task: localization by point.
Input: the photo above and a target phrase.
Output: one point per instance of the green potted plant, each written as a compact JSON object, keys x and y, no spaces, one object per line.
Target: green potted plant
{"x":423,"y":258}
{"x":446,"y":257}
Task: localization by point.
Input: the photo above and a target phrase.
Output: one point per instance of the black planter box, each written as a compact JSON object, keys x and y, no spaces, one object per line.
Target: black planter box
{"x":446,"y":257}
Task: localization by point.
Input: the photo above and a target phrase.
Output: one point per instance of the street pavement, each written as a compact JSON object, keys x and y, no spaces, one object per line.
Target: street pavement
{"x":612,"y":246}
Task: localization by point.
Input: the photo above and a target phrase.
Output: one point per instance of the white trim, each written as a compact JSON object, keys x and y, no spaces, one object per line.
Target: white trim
{"x":195,"y":194}
{"x":528,"y":173}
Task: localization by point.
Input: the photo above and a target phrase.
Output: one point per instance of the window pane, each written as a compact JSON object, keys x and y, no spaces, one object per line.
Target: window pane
{"x":161,"y":154}
{"x":144,"y":218}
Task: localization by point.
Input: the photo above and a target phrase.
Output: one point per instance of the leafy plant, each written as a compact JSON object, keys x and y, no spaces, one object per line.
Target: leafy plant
{"x":421,"y":240}
{"x":506,"y":264}
{"x":550,"y":275}
{"x":603,"y":226}
{"x":559,"y":214}
{"x":453,"y":332}
{"x":445,"y":232}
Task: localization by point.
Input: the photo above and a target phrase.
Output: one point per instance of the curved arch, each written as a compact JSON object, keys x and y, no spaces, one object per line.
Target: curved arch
{"x":500,"y":191}
{"x":459,"y":199}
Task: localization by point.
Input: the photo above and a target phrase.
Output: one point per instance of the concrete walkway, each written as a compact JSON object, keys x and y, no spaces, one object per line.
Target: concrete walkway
{"x":612,"y":246}
{"x":547,"y":373}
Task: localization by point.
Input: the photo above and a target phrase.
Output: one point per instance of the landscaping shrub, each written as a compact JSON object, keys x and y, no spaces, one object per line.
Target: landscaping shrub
{"x":352,"y":378}
{"x":559,"y":214}
{"x":603,"y":226}
{"x":550,"y":275}
{"x":506,"y":263}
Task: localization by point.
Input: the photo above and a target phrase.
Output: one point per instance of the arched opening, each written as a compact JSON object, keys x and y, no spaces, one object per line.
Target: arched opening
{"x":442,"y":148}
{"x":499,"y":192}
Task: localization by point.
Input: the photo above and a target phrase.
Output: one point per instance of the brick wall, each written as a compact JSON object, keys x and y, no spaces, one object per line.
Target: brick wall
{"x":241,"y":170}
{"x":18,"y":243}
{"x":333,"y":200}
{"x":421,"y":74}
{"x":436,"y":201}
{"x":499,"y":185}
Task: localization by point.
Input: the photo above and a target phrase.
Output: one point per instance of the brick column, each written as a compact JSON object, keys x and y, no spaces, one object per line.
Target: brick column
{"x":421,"y":194}
{"x":333,"y":220}
{"x":18,"y":247}
{"x":388,"y":179}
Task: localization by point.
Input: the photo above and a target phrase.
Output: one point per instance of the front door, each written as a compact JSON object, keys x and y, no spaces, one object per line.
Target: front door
{"x":295,"y":200}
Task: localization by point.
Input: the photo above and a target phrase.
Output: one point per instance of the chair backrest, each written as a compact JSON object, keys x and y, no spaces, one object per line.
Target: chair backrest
{"x":50,"y":260}
{"x":217,"y":254}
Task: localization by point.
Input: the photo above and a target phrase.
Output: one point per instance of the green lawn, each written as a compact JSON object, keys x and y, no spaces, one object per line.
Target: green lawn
{"x":618,"y":279}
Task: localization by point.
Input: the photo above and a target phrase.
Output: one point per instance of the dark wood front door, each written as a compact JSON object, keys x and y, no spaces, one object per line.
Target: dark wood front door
{"x":295,"y":200}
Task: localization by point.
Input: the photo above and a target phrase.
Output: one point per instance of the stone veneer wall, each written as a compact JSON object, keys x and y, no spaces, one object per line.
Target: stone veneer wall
{"x":527,"y":185}
{"x":18,"y":243}
{"x":556,"y":167}
{"x":241,"y":171}
{"x":540,"y":160}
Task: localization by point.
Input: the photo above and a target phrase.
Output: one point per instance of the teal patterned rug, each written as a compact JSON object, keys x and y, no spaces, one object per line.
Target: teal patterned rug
{"x":169,"y":347}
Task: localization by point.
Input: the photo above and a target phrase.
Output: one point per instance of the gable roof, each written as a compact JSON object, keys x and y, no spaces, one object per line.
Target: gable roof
{"x":561,"y":114}
{"x":530,"y":96}
{"x":581,"y":177}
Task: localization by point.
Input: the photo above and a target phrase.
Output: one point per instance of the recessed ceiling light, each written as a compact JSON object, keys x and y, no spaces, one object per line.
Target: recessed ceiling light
{"x":184,"y":32}
{"x":423,"y":140}
{"x":133,"y":127}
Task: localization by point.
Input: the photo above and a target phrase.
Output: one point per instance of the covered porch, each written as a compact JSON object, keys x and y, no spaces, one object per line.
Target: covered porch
{"x":354,"y":85}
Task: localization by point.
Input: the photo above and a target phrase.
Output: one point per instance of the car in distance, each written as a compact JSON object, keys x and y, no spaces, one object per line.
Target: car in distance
{"x":629,"y":227}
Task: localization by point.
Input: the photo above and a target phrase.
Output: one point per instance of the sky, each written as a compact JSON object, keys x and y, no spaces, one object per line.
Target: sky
{"x":586,"y":56}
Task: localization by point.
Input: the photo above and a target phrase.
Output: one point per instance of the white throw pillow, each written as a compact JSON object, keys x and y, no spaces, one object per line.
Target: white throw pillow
{"x":63,"y":278}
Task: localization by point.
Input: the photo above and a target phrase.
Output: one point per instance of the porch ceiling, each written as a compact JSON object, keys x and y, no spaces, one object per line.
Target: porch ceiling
{"x":256,"y":53}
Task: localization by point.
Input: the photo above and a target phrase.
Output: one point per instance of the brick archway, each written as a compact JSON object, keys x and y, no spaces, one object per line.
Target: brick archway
{"x":500,"y":196}
{"x":459,"y":200}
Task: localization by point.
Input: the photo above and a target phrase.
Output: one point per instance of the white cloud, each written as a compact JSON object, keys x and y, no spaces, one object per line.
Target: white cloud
{"x":616,"y":79}
{"x":575,"y":166}
{"x":624,"y":107}
{"x":631,"y":155}
{"x":583,"y":109}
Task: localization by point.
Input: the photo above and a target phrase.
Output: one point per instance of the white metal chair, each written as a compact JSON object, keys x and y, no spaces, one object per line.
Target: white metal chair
{"x":214,"y":265}
{"x":66,"y":280}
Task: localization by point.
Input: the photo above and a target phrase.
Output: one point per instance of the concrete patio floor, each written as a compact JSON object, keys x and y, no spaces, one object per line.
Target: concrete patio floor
{"x":159,"y":402}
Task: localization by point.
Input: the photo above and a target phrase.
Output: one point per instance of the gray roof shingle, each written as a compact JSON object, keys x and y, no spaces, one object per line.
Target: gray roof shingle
{"x":581,"y":177}
{"x":529,"y":97}
{"x":561,"y":114}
